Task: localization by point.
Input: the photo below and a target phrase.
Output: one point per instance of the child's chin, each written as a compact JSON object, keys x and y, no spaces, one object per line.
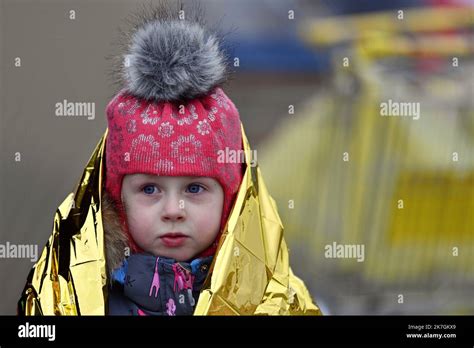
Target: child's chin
{"x":176,"y":255}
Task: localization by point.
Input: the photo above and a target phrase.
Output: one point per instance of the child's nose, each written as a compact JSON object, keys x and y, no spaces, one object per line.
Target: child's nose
{"x":173,"y":209}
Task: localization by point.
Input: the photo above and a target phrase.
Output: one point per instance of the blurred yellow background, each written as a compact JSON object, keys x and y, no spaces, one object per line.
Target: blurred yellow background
{"x":402,"y":185}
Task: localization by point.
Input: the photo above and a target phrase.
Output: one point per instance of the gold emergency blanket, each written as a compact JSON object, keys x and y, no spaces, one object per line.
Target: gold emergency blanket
{"x":250,"y":273}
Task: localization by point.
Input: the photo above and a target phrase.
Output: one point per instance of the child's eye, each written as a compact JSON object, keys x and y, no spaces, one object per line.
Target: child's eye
{"x":195,"y":188}
{"x":149,"y":189}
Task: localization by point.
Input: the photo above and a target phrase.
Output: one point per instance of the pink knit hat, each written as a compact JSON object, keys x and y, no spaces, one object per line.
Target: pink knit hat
{"x":172,"y":118}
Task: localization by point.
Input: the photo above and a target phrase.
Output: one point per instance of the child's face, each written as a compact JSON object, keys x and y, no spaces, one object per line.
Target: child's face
{"x":174,"y":217}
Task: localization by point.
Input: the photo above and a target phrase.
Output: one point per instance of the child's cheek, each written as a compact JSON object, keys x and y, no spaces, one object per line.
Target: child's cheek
{"x":209,"y":221}
{"x":138,"y":223}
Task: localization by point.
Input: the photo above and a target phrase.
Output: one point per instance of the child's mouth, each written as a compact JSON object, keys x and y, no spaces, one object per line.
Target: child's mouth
{"x":173,"y":240}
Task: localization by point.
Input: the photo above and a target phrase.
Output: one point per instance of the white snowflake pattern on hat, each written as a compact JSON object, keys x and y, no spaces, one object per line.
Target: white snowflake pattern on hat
{"x":144,"y":148}
{"x":203,"y":127}
{"x":188,"y":119}
{"x":212,"y":114}
{"x":186,"y":148}
{"x":127,"y":108}
{"x":150,"y":115}
{"x":221,"y":99}
{"x":164,"y":165}
{"x":165,"y":129}
{"x":131,"y":126}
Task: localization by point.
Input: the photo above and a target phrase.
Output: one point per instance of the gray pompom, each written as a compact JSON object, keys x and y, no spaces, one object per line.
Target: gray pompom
{"x":173,"y":59}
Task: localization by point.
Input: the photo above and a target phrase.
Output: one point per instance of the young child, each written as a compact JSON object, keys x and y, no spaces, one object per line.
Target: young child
{"x":160,"y":224}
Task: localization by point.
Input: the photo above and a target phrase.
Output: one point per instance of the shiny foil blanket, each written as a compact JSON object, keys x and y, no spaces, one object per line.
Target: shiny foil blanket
{"x":249,"y":275}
